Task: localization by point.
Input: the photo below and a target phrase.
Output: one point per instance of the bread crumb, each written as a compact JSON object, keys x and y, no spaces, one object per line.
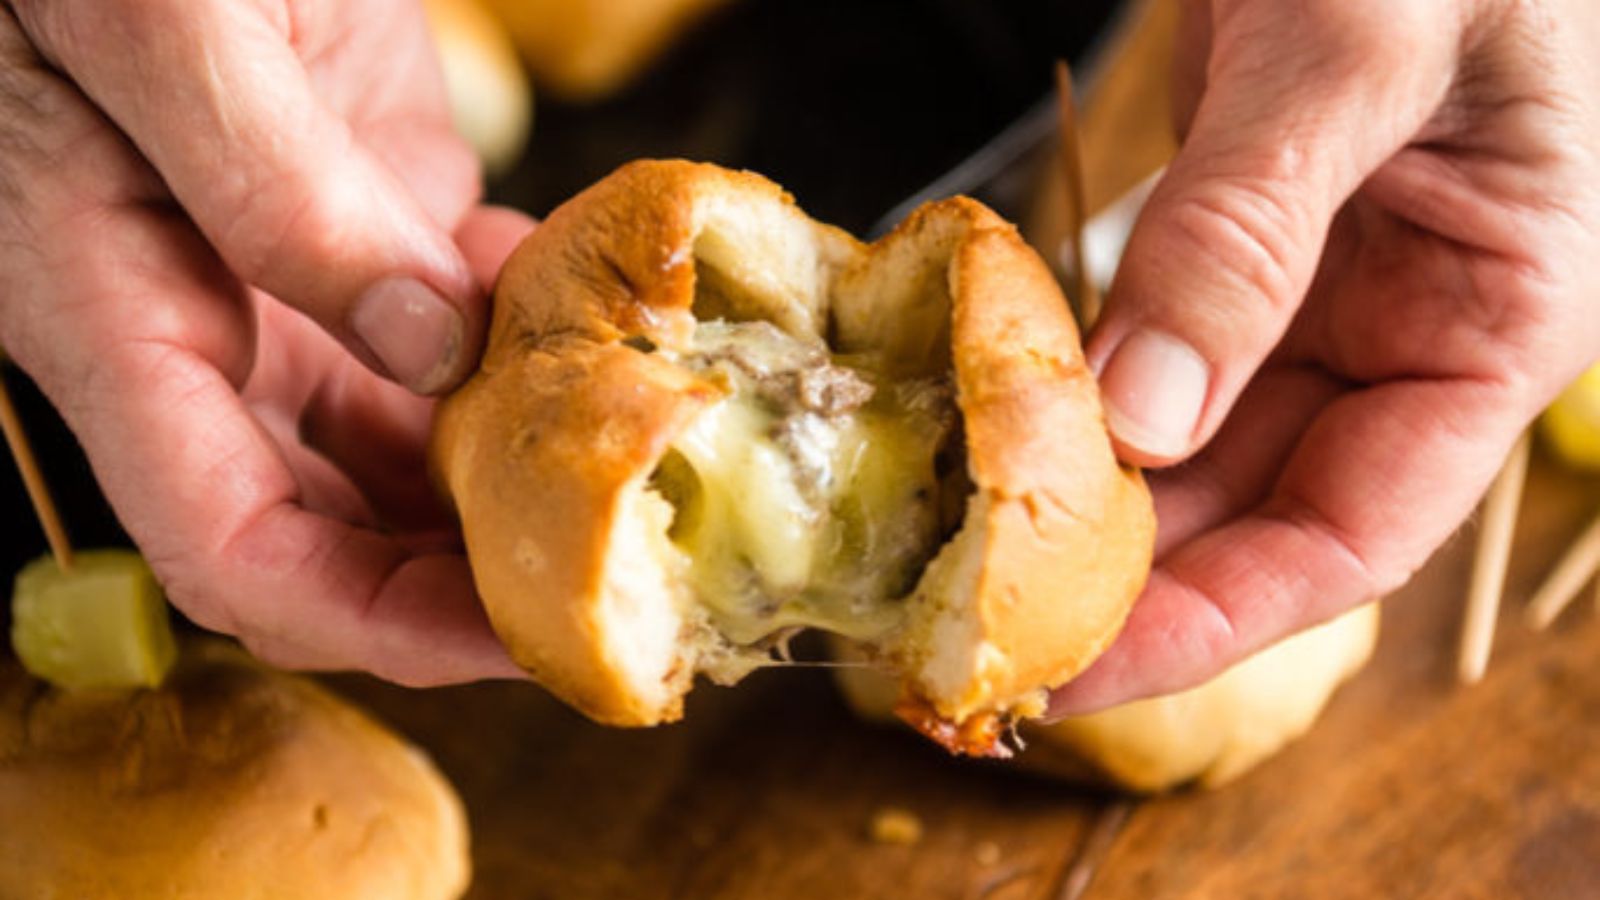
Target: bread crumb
{"x":986,"y":853}
{"x":892,"y":825}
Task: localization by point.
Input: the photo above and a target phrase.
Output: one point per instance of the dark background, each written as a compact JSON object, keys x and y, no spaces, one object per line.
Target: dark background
{"x":850,"y":104}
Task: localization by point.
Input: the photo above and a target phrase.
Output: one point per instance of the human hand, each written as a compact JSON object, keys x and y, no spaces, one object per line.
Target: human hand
{"x":1374,"y":260}
{"x":179,"y":183}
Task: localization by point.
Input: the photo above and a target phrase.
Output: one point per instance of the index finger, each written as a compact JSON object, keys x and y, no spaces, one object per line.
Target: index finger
{"x":1359,"y":507}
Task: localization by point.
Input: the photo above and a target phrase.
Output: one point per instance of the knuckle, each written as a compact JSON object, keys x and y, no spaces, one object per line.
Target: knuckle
{"x":186,"y":590}
{"x":1331,"y":40}
{"x":278,"y":225}
{"x":1368,"y":33}
{"x":274,"y":652}
{"x":23,"y":106}
{"x":1248,"y":234}
{"x":63,"y":29}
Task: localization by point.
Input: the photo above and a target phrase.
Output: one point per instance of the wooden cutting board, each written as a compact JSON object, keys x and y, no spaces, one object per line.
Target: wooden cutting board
{"x":1410,"y":786}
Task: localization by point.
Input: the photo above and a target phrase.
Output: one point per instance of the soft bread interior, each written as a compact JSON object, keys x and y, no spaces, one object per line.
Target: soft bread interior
{"x":644,"y":606}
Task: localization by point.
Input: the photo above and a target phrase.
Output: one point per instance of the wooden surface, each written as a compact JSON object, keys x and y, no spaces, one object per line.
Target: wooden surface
{"x":1410,"y":787}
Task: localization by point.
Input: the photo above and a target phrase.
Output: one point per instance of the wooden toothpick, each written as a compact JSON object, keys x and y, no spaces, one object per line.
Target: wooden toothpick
{"x":1086,"y":292}
{"x":1580,"y":563}
{"x":43,"y":506}
{"x":1489,"y":568}
{"x":1096,"y":847}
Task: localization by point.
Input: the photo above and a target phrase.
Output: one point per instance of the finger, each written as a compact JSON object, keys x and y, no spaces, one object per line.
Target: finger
{"x":1302,"y":102}
{"x":432,"y":163}
{"x":206,"y":493}
{"x":61,"y":166}
{"x":1238,"y":469}
{"x":291,"y":198}
{"x":137,"y":334}
{"x":1316,"y":547}
{"x":487,"y":236}
{"x":226,"y":524}
{"x":377,"y":434}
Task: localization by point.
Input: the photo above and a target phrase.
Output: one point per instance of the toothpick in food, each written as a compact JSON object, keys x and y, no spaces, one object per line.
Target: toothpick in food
{"x":1495,"y":535}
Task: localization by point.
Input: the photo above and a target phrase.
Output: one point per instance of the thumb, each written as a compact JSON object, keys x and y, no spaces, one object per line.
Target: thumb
{"x":1302,"y":101}
{"x":218,"y":99}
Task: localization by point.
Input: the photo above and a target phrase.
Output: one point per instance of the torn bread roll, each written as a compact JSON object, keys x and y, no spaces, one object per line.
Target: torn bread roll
{"x":1209,"y":735}
{"x":705,"y":421}
{"x":231,"y":780}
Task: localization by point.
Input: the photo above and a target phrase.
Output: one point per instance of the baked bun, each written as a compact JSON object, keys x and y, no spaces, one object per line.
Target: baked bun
{"x":705,"y":421}
{"x":1208,"y":735}
{"x":587,"y":49}
{"x":490,"y":100}
{"x":230,"y":781}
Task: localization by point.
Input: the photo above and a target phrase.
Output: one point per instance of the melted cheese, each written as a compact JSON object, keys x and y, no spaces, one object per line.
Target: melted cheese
{"x":750,"y":493}
{"x":794,"y":517}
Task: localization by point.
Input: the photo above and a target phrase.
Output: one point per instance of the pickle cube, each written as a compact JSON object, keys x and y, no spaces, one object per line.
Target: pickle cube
{"x":101,"y":625}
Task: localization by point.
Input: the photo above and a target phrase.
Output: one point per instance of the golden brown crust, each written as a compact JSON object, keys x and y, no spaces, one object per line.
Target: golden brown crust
{"x":1069,"y":530}
{"x":540,"y":448}
{"x":542,"y":456}
{"x":230,"y":781}
{"x":543,"y":450}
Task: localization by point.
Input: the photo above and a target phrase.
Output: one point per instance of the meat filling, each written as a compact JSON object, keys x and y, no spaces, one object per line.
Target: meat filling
{"x":810,"y":496}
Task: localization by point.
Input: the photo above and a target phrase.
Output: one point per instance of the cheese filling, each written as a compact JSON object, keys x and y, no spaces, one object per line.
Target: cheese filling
{"x":809,"y":496}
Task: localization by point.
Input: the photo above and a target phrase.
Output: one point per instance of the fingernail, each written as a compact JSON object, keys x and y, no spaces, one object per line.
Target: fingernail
{"x":1155,"y":388}
{"x":412,"y":330}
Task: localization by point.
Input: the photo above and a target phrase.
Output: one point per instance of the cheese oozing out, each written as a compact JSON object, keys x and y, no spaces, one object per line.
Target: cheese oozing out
{"x":810,"y":494}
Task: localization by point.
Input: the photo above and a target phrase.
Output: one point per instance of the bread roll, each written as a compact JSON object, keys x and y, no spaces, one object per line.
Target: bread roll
{"x":586,"y":49}
{"x":1214,"y":733}
{"x":490,"y":99}
{"x":230,"y":781}
{"x":704,"y":421}
{"x":1209,"y":734}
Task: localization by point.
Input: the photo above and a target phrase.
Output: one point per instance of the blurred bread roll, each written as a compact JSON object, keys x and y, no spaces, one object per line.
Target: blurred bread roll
{"x":231,"y":780}
{"x":586,"y":49}
{"x":490,"y":98}
{"x":1208,"y":735}
{"x":1216,"y":732}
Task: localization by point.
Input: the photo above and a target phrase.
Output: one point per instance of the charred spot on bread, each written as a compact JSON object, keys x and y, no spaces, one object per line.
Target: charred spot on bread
{"x":980,"y":735}
{"x":747,"y":422}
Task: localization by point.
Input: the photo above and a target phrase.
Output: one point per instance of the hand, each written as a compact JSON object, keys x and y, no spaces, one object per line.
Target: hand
{"x":1374,"y":260}
{"x":209,"y":211}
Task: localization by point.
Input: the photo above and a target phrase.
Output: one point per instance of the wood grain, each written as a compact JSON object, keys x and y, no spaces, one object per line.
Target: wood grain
{"x":1411,"y":786}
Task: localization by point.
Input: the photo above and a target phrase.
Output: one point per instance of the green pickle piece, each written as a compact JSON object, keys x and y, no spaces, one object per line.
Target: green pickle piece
{"x":101,"y":625}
